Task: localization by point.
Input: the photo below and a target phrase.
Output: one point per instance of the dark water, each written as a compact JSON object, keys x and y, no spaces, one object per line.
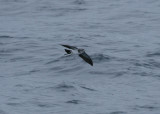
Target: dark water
{"x":121,"y":36}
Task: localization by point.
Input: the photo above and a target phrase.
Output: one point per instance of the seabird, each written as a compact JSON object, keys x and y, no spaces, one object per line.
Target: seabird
{"x":81,"y":53}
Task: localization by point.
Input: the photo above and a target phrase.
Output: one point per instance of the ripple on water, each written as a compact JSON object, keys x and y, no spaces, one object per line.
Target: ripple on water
{"x":118,"y":112}
{"x":2,"y":112}
{"x":151,"y":64}
{"x":98,"y":72}
{"x":6,"y":36}
{"x":44,"y":104}
{"x":100,"y":58}
{"x":62,"y":58}
{"x":14,"y":104}
{"x":26,"y":58}
{"x":64,"y":87}
{"x":87,"y":88}
{"x":10,"y":50}
{"x":75,"y":102}
{"x":145,"y":107}
{"x":114,"y":112}
{"x":79,"y":2}
{"x":72,"y":69}
{"x":153,"y":54}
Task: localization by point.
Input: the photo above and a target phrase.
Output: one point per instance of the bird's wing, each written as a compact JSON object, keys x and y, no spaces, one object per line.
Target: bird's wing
{"x":70,"y":47}
{"x":86,"y":58}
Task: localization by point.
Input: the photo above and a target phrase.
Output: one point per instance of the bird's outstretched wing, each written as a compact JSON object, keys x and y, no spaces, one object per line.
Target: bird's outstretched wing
{"x":70,"y":47}
{"x":86,"y":58}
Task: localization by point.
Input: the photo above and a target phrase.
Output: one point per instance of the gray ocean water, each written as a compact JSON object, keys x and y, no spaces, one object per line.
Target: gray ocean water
{"x":121,"y":36}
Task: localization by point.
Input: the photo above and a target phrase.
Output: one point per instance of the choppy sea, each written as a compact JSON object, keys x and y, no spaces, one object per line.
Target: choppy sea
{"x":121,"y":36}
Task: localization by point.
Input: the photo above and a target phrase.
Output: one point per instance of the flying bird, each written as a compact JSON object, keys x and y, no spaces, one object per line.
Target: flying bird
{"x":81,"y":53}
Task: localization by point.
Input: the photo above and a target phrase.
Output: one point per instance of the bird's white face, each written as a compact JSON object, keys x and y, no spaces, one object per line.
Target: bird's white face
{"x":80,"y":50}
